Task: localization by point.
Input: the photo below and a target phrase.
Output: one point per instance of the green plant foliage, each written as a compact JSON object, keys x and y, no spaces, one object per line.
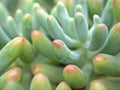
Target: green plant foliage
{"x":59,"y":44}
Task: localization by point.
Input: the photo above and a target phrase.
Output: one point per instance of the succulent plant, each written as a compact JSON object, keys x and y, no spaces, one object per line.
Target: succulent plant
{"x":60,"y":45}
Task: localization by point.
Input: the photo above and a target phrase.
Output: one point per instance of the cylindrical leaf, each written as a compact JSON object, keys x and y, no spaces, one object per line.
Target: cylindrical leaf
{"x":40,"y":82}
{"x":107,"y":64}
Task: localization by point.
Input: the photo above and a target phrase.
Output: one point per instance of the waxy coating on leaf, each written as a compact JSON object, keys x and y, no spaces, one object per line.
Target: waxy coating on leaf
{"x":40,"y":76}
{"x":107,"y":15}
{"x":75,"y":76}
{"x":35,"y":33}
{"x":12,"y":85}
{"x":116,"y":27}
{"x":4,"y":37}
{"x":79,"y":8}
{"x":96,"y":85}
{"x":39,"y":20}
{"x":70,"y":36}
{"x":102,"y":26}
{"x":40,"y":41}
{"x":104,"y":84}
{"x":27,"y":26}
{"x":107,"y":64}
{"x":18,"y":17}
{"x":92,"y":7}
{"x":98,"y":58}
{"x":96,"y":19}
{"x":81,"y":27}
{"x":116,"y":8}
{"x":64,"y":54}
{"x":35,"y":68}
{"x":57,"y":32}
{"x":11,"y":27}
{"x":41,"y":82}
{"x":55,"y":72}
{"x":27,"y":53}
{"x":57,"y":44}
{"x":12,"y":74}
{"x":3,"y":13}
{"x":98,"y":37}
{"x":111,"y":46}
{"x":63,"y":86}
{"x":71,"y":69}
{"x":11,"y":52}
